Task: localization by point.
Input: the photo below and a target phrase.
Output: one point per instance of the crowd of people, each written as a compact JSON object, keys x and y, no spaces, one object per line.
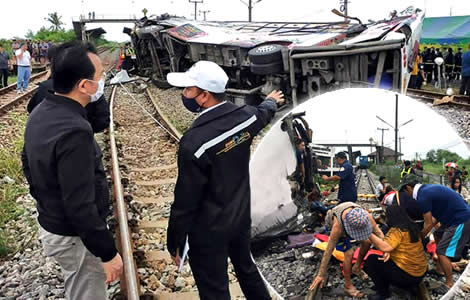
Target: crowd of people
{"x":454,"y":67}
{"x":416,"y":216}
{"x":62,"y":163}
{"x":23,"y":55}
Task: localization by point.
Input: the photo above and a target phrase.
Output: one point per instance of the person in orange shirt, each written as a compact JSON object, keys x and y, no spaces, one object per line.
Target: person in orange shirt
{"x":403,"y":263}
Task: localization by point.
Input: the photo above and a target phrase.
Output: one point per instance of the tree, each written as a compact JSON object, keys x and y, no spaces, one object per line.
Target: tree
{"x":55,"y":19}
{"x":30,"y":34}
{"x":145,"y":11}
{"x":431,"y":156}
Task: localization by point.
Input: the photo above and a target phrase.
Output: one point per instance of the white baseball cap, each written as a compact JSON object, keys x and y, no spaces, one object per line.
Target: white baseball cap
{"x":205,"y":75}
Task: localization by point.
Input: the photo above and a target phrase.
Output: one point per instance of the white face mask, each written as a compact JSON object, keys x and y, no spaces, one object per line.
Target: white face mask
{"x":99,"y":91}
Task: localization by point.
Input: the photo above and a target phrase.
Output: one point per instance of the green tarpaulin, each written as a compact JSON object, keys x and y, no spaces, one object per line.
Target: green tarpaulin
{"x":446,"y":30}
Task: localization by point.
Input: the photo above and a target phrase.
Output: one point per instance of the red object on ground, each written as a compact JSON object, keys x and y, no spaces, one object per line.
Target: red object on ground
{"x":322,"y":237}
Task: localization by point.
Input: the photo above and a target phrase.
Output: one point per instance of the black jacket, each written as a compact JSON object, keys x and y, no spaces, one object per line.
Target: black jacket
{"x":62,"y":164}
{"x":212,"y":193}
{"x":97,"y":112}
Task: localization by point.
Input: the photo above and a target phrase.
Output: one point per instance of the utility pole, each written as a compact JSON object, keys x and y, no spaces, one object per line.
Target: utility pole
{"x":204,"y":12}
{"x":400,"y":138}
{"x":196,"y":2}
{"x":250,"y":7}
{"x":396,"y":128}
{"x":382,"y":148}
{"x":344,"y":8}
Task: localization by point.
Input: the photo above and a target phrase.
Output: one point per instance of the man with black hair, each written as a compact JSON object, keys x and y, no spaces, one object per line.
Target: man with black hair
{"x":440,"y":204}
{"x":4,"y":65}
{"x":380,"y":189}
{"x":23,"y":59}
{"x":347,"y":180}
{"x":300,"y":156}
{"x":59,"y":164}
{"x":407,"y":170}
{"x":212,"y":203}
{"x":97,"y":109}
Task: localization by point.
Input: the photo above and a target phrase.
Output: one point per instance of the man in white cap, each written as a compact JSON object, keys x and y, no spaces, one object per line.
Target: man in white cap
{"x":211,"y":208}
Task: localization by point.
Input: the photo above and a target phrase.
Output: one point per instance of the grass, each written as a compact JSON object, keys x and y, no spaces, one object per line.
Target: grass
{"x":10,"y":166}
{"x":11,"y":79}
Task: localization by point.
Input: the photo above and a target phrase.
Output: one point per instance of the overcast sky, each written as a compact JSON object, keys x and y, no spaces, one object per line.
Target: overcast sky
{"x":349,"y":116}
{"x":18,"y":18}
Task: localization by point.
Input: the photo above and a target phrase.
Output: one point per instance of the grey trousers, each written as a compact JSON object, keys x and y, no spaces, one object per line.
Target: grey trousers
{"x":84,"y":276}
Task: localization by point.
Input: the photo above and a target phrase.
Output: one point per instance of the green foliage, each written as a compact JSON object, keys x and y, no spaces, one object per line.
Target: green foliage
{"x":56,"y":36}
{"x":6,"y":44}
{"x":10,"y":165}
{"x":440,"y":155}
{"x":55,"y":20}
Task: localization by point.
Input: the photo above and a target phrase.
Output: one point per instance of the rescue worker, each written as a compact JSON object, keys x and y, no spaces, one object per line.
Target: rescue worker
{"x":346,"y":222}
{"x":407,"y":170}
{"x":347,"y":185}
{"x":440,"y":204}
{"x":211,"y":208}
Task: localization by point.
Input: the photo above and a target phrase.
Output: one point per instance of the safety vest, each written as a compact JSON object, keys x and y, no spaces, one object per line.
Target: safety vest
{"x":404,"y":172}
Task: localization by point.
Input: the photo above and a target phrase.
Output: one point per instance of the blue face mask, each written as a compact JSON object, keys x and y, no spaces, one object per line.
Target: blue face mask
{"x":191,"y":104}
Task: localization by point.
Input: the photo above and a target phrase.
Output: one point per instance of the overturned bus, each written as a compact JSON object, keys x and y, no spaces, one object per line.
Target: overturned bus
{"x":302,"y":59}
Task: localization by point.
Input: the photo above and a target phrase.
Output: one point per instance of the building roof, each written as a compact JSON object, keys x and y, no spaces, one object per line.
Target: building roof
{"x":387,"y":153}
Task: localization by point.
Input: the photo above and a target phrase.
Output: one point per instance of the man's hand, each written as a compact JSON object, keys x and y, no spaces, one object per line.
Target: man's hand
{"x":277,"y":95}
{"x":113,"y":268}
{"x":324,"y":177}
{"x":176,"y":259}
{"x":319,"y":280}
{"x":385,"y":257}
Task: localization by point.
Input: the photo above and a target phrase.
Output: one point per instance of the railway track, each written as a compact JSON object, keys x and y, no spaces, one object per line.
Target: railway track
{"x":9,"y":97}
{"x":428,"y":96}
{"x":366,"y":188}
{"x":144,"y":173}
{"x":143,"y":145}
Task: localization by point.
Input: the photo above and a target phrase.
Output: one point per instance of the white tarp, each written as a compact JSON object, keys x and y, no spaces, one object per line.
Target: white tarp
{"x":273,"y":161}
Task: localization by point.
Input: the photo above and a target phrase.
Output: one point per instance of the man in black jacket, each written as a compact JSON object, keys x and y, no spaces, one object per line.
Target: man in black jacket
{"x":97,"y":109}
{"x":59,"y":164}
{"x":212,"y":194}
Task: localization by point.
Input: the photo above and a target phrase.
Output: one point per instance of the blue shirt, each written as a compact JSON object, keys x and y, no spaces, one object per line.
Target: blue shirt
{"x":347,"y":186}
{"x":447,"y":206}
{"x":466,"y":64}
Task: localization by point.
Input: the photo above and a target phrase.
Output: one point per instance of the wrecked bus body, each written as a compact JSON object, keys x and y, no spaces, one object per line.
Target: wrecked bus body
{"x":300,"y":58}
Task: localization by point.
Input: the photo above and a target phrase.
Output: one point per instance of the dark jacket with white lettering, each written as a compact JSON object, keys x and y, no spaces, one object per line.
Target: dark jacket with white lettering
{"x":212,"y":193}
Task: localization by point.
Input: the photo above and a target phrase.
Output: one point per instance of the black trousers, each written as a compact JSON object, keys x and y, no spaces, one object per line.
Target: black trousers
{"x":208,"y":261}
{"x":385,"y":274}
{"x":3,"y":77}
{"x":465,"y":86}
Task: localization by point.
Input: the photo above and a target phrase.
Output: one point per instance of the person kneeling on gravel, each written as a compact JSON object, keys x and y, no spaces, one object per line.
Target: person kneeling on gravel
{"x":347,"y":221}
{"x":403,"y":263}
